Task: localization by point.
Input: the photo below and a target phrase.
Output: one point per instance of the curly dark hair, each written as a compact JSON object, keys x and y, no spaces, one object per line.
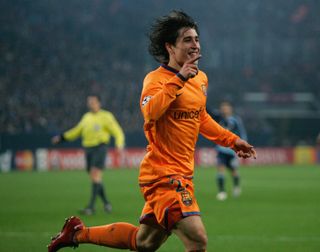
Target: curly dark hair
{"x":166,"y":30}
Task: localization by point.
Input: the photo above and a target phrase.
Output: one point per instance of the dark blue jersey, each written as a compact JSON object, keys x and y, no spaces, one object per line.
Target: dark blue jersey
{"x":235,"y":125}
{"x":232,"y":123}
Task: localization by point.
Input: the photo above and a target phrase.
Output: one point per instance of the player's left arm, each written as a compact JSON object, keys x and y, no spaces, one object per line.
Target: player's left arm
{"x":115,"y":130}
{"x":211,"y":130}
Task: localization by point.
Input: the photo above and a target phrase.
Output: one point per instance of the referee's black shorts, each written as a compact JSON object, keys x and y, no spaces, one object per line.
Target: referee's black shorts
{"x":96,"y":156}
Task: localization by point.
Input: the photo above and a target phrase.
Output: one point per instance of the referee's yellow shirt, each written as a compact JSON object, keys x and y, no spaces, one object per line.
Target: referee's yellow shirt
{"x":96,"y":128}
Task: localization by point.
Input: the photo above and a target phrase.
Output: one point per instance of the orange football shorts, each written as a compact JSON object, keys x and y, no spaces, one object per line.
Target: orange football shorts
{"x":167,"y":201}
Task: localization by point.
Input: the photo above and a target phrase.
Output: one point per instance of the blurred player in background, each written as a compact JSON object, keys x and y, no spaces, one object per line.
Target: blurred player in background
{"x":95,"y":128}
{"x":226,"y":157}
{"x":173,"y":104}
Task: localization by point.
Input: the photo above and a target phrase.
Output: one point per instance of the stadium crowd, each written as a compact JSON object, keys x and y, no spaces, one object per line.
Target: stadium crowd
{"x":53,"y":55}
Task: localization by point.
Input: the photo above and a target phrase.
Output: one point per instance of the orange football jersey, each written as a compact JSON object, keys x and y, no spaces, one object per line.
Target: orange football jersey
{"x":174,"y":114}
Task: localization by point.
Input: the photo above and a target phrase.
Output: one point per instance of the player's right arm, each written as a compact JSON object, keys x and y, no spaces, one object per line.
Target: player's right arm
{"x":69,"y":135}
{"x":157,"y":96}
{"x":73,"y":133}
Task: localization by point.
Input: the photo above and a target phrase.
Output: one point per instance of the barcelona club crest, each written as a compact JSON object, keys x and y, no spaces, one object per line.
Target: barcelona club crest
{"x":204,"y":89}
{"x":186,"y":198}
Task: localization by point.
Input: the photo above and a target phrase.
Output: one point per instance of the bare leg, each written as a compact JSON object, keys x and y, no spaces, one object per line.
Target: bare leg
{"x":150,"y":238}
{"x":192,"y":233}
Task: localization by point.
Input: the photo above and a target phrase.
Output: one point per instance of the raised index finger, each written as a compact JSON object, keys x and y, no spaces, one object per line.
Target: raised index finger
{"x":192,"y":60}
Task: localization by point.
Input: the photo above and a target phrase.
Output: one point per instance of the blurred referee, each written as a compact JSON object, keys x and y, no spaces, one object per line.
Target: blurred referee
{"x":95,"y":128}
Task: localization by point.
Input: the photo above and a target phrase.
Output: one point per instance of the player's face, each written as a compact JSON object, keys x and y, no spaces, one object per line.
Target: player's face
{"x":187,"y":46}
{"x":93,"y":103}
{"x":226,"y":109}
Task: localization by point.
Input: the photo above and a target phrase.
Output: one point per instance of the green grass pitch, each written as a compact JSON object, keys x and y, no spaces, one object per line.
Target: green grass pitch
{"x":278,"y":211}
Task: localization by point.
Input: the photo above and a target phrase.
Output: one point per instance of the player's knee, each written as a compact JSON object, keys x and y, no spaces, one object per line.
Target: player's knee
{"x":147,"y":246}
{"x":203,"y":240}
{"x":150,"y":238}
{"x":96,"y":175}
{"x":199,"y":241}
{"x":221,"y":169}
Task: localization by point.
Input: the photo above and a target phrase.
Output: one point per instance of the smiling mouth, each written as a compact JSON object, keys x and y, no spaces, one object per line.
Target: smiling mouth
{"x":193,"y":54}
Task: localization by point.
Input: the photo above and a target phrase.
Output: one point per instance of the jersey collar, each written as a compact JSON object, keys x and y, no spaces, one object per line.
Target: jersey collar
{"x":171,"y":69}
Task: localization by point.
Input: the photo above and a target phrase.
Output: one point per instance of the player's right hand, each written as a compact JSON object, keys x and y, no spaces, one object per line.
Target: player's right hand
{"x":56,"y":139}
{"x":190,"y":68}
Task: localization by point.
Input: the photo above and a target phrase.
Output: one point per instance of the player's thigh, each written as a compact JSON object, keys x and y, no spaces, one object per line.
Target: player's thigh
{"x":192,"y":233}
{"x":99,"y":156}
{"x":150,"y":238}
{"x":222,"y":162}
{"x":89,"y":155}
{"x":221,"y":168}
{"x":233,"y":165}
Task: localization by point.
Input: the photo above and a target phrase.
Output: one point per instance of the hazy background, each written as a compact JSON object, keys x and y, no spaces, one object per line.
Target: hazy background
{"x":261,"y":55}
